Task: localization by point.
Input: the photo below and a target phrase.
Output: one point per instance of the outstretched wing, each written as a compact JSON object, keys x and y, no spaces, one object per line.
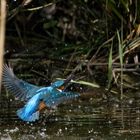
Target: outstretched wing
{"x":21,"y":89}
{"x":57,"y":97}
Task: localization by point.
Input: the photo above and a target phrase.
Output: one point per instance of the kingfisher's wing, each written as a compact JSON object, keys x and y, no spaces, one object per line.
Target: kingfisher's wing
{"x":21,"y":89}
{"x":57,"y":97}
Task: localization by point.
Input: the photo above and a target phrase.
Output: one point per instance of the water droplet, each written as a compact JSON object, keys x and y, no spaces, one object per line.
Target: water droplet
{"x":79,"y":106}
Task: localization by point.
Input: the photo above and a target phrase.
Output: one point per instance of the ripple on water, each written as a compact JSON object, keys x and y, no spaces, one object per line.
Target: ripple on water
{"x":85,"y":121}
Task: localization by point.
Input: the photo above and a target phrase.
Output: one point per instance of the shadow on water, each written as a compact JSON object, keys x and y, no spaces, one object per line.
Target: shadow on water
{"x":79,"y":120}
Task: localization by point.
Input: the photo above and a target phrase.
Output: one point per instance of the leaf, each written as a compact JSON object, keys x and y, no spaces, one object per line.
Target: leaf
{"x":120,"y":49}
{"x":86,"y":83}
{"x":50,"y":24}
{"x":110,"y":68}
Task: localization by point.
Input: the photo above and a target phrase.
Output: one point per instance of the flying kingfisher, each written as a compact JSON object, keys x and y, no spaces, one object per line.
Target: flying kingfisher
{"x":36,"y":98}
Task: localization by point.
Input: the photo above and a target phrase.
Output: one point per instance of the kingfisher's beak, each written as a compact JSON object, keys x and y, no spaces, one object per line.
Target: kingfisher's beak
{"x":63,"y":87}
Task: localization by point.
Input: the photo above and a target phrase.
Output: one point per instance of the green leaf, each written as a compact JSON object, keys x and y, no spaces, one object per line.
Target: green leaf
{"x":86,"y":83}
{"x":120,"y":49}
{"x":50,"y":24}
{"x":110,"y":68}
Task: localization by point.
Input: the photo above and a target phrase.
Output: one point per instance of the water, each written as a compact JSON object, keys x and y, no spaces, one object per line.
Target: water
{"x":88,"y":119}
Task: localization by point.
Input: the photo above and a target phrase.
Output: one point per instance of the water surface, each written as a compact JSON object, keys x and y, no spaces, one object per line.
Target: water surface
{"x":86,"y":119}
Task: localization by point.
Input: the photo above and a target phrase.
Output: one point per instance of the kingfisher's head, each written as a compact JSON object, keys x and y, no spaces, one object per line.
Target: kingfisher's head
{"x":58,"y":84}
{"x":61,"y":84}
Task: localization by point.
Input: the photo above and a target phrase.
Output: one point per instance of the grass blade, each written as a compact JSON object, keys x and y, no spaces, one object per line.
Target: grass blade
{"x":110,"y":68}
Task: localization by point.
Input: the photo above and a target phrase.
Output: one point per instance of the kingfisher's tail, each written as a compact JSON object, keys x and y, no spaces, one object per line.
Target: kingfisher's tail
{"x":22,"y":115}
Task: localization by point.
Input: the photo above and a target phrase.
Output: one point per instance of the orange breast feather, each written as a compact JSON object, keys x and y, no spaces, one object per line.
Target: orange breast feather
{"x":42,"y":105}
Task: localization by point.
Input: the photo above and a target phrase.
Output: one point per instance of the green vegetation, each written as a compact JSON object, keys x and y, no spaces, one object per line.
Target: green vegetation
{"x":97,"y":40}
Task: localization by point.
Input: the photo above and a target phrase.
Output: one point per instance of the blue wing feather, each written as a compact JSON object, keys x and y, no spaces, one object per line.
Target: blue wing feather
{"x":21,"y":89}
{"x":30,"y":111}
{"x":57,"y":97}
{"x":33,"y":117}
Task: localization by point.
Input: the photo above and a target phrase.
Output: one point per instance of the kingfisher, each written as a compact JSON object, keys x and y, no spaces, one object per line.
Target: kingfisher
{"x":36,"y":98}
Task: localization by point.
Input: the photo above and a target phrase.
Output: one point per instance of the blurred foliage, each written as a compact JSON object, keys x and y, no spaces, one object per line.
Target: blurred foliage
{"x":53,"y":37}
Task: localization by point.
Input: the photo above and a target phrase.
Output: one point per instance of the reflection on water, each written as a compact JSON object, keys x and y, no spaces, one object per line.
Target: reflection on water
{"x":81,"y":120}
